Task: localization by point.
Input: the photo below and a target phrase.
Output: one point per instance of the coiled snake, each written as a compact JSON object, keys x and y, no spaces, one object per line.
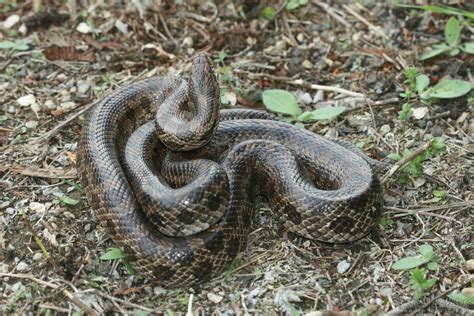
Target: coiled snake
{"x":173,"y":181}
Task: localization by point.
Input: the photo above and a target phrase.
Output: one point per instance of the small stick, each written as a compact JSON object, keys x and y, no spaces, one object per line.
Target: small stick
{"x":437,"y":208}
{"x":334,"y":13}
{"x":301,"y":82}
{"x":406,"y":160}
{"x":402,"y":309}
{"x":74,"y":299}
{"x":370,"y":25}
{"x":124,"y":302}
{"x":455,"y":309}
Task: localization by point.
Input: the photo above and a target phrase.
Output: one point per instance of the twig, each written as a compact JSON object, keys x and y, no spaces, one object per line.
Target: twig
{"x":402,"y":309}
{"x":402,"y":162}
{"x":116,"y":299}
{"x":39,"y":242}
{"x":190,"y":305}
{"x":412,"y":212}
{"x":57,"y":128}
{"x":74,"y":299}
{"x":363,"y":20}
{"x":436,"y":208}
{"x":455,"y":309}
{"x":336,"y":14}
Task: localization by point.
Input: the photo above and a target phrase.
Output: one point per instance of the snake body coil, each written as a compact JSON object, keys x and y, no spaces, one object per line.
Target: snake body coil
{"x":174,"y":181}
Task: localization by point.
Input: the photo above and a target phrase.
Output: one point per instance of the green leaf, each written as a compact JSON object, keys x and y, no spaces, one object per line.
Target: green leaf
{"x":462,"y":298}
{"x":408,"y":263}
{"x":268,"y":13}
{"x":433,"y":266}
{"x":281,"y":101}
{"x":439,"y":194}
{"x":440,"y":9}
{"x":327,"y":113}
{"x":112,"y":254}
{"x":435,"y":51}
{"x":422,"y":82}
{"x":452,"y":31}
{"x":7,"y":45}
{"x":305,"y":116}
{"x":438,"y":145}
{"x":423,"y":249}
{"x":454,"y":51}
{"x":65,"y":199}
{"x":448,"y":89}
{"x":394,"y":156}
{"x":468,"y":47}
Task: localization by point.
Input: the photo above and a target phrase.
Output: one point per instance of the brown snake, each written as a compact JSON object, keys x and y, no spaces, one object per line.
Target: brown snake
{"x":174,"y":182}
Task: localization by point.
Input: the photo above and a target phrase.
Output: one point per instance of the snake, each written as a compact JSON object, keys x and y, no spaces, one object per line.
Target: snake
{"x":174,"y":180}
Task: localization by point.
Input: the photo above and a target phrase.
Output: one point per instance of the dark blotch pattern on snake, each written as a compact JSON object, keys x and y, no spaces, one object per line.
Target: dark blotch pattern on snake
{"x":173,"y":180}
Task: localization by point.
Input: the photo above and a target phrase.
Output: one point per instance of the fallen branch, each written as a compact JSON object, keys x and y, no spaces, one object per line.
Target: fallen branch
{"x":363,"y":20}
{"x":402,"y":162}
{"x":74,"y":299}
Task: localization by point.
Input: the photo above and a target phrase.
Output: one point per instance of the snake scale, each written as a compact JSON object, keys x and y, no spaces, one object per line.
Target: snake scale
{"x":174,"y":180}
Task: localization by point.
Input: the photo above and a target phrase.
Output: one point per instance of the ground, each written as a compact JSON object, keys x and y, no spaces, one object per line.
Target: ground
{"x":57,"y":60}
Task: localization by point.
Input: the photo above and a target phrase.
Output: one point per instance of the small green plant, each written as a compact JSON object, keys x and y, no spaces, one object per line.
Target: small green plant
{"x":438,"y":9}
{"x":420,"y":283}
{"x":63,"y":198}
{"x":424,"y":256}
{"x":438,"y":195}
{"x":415,"y":167}
{"x":417,"y":87}
{"x":117,"y":254}
{"x":268,"y":13}
{"x":452,"y":45}
{"x":418,"y":280}
{"x":295,"y":4}
{"x":16,"y":45}
{"x":285,"y":103}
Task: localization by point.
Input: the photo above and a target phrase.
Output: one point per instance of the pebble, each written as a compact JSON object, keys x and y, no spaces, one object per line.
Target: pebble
{"x":122,"y":27}
{"x":10,"y":211}
{"x":31,"y":124}
{"x":37,"y":256}
{"x":22,"y":266}
{"x":343,"y":266}
{"x":307,"y":64}
{"x":11,"y":21}
{"x":384,"y":129}
{"x":188,"y":41}
{"x":83,"y":28}
{"x":49,"y":104}
{"x":3,"y":268}
{"x":67,"y":105}
{"x":83,"y":86}
{"x":419,"y":113}
{"x":214,"y":297}
{"x":26,"y":100}
{"x":470,"y":265}
{"x":11,"y":109}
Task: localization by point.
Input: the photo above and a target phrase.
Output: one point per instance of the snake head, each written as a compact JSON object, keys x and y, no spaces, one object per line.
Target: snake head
{"x":189,"y":116}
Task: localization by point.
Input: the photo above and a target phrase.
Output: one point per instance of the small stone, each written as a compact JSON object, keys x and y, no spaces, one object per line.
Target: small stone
{"x":22,"y":266}
{"x":31,"y":124}
{"x":300,"y":37}
{"x":16,"y":286}
{"x":214,"y":298}
{"x":10,"y":210}
{"x":83,"y":86}
{"x":420,"y":112}
{"x":343,"y":266}
{"x":67,"y":105}
{"x":50,"y":105}
{"x":3,"y":268}
{"x":188,"y":41}
{"x":159,"y":290}
{"x":122,"y":27}
{"x":306,"y":98}
{"x":11,"y":109}
{"x":386,"y":291}
{"x":11,"y":21}
{"x":437,"y":131}
{"x":37,"y":207}
{"x":470,"y":265}
{"x":26,"y":100}
{"x":83,"y":28}
{"x":468,"y":291}
{"x":37,"y":256}
{"x":384,"y":129}
{"x":307,"y":64}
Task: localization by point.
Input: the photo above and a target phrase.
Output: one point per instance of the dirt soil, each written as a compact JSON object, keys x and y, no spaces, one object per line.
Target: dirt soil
{"x":352,"y":54}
